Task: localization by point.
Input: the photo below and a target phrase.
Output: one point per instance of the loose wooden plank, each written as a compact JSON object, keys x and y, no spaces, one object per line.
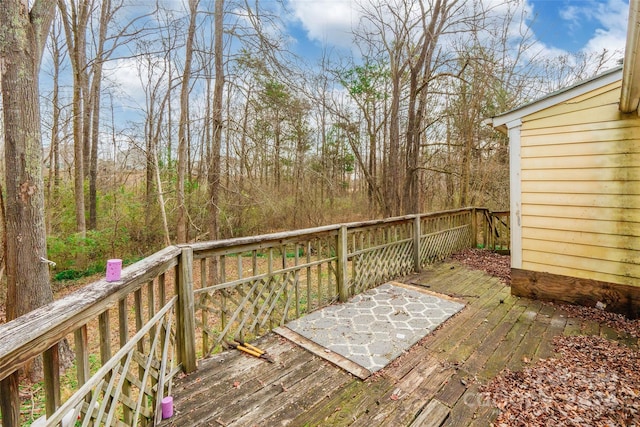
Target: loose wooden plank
{"x":241,"y":394}
{"x":275,"y":390}
{"x":322,"y":352}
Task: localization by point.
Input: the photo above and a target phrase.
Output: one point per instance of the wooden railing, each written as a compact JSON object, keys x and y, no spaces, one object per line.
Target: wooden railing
{"x":497,"y":231}
{"x":181,"y":303}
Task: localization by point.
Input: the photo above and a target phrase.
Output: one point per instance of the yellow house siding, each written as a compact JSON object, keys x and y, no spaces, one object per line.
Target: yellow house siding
{"x":580,"y":179}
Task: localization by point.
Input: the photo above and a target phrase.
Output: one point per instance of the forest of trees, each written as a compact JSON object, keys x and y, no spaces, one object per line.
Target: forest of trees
{"x":230,"y":133}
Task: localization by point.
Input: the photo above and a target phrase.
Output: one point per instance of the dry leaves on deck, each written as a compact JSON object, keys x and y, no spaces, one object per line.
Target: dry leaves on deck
{"x":619,"y":322}
{"x":593,"y":382}
{"x":487,"y":261}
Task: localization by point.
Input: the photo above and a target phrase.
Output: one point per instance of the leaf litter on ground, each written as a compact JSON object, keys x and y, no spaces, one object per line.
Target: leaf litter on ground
{"x":592,"y":382}
{"x":485,"y":260}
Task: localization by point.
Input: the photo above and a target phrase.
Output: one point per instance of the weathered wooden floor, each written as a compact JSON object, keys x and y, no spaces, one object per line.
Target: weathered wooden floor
{"x":436,"y":383}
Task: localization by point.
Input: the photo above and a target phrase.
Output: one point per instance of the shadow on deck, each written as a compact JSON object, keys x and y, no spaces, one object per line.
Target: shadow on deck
{"x":435,"y":383}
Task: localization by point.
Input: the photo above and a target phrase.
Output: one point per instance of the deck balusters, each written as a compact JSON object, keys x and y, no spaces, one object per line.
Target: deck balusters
{"x":158,"y":295}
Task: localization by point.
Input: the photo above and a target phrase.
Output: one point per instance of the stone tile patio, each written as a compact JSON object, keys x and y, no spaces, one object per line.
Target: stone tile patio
{"x":375,"y":327}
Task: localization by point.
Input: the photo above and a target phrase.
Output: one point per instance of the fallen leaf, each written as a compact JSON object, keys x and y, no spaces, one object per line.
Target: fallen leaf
{"x":593,"y":381}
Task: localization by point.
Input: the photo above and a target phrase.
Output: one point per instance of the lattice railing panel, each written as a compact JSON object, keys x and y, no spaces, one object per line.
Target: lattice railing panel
{"x":256,"y":305}
{"x":434,"y":224}
{"x":379,"y":235}
{"x":127,"y":390}
{"x":374,"y":266}
{"x":240,"y":288}
{"x":437,"y":246}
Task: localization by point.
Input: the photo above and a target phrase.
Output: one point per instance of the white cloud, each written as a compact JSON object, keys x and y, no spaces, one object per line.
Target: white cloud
{"x":612,"y":18}
{"x":125,"y":74}
{"x":327,"y":21}
{"x":608,"y":20}
{"x":570,"y":13}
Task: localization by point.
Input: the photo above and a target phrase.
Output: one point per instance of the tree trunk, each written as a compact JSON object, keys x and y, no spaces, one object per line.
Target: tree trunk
{"x":75,"y":29}
{"x":22,"y":37}
{"x":213,"y":178}
{"x":95,"y":97}
{"x":54,"y":152}
{"x":392,"y":180}
{"x":183,"y":127}
{"x":21,"y":42}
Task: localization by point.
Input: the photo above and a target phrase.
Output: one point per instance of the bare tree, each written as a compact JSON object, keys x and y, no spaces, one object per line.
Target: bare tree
{"x":57,"y":55}
{"x":23,"y":33}
{"x":214,"y":167}
{"x":75,"y":19}
{"x":182,"y":220}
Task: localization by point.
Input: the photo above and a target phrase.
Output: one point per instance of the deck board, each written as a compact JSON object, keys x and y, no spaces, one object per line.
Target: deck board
{"x":437,"y":380}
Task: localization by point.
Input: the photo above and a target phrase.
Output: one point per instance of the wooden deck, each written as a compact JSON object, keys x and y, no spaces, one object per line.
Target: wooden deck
{"x":435,"y":383}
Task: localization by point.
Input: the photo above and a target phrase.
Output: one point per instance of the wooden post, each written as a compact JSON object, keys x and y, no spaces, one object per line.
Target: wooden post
{"x":51,"y":365}
{"x":186,"y":335}
{"x":343,"y":281}
{"x":485,"y":228}
{"x":417,"y":264}
{"x":10,"y":400}
{"x":474,"y":228}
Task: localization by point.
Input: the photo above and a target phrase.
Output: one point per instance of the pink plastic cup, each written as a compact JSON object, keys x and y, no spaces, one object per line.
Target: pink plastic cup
{"x":114,"y":268}
{"x":167,"y":407}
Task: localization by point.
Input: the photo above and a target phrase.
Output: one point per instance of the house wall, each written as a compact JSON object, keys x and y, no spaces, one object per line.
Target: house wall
{"x":580,"y":181}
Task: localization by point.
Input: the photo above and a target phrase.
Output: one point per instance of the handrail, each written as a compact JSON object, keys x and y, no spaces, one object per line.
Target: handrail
{"x":199,"y":247}
{"x":24,"y":338}
{"x":290,"y":273}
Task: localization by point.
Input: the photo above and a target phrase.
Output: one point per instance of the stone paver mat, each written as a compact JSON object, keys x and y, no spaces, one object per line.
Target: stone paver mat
{"x":375,"y":327}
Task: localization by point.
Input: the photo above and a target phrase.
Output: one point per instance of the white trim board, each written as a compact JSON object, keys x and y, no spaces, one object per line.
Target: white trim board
{"x":515,"y":192}
{"x":501,"y":121}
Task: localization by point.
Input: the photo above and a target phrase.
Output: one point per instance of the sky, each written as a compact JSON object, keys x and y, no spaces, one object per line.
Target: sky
{"x":572,"y":26}
{"x":560,"y":26}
